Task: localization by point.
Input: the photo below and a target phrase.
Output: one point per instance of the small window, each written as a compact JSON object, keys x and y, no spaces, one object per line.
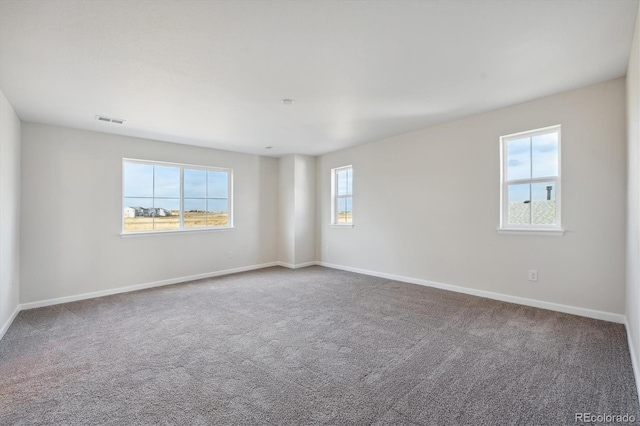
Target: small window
{"x":530,"y":191}
{"x":174,"y":197}
{"x":342,"y":196}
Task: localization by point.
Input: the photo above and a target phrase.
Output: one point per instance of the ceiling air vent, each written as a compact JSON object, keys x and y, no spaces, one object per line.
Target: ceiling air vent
{"x":110,"y":119}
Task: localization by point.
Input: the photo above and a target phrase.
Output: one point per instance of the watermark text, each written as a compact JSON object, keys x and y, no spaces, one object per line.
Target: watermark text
{"x":604,"y":418}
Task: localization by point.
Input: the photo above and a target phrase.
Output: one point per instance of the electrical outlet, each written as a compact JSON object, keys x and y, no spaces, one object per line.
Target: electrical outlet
{"x":533,"y":275}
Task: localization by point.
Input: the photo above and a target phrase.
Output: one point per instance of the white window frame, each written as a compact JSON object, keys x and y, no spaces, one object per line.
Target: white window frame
{"x":505,"y":227}
{"x":181,"y":229}
{"x":335,"y":197}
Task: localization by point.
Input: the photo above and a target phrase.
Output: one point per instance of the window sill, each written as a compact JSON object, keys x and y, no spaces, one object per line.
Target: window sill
{"x":528,"y":231}
{"x":177,"y":231}
{"x":346,"y":225}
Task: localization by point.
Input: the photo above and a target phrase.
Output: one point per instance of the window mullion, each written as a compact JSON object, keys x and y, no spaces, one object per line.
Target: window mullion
{"x":517,"y":181}
{"x":346,"y":176}
{"x":544,"y":179}
{"x":153,"y":200}
{"x":206,"y":199}
{"x":336,"y":211}
{"x":181,"y":198}
{"x":530,"y":206}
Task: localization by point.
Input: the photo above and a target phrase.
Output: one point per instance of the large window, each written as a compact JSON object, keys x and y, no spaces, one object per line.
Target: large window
{"x":173,"y":197}
{"x":342,"y":196}
{"x":530,"y":195}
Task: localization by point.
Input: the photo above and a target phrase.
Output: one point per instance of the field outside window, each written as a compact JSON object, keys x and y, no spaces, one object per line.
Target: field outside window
{"x":173,"y":197}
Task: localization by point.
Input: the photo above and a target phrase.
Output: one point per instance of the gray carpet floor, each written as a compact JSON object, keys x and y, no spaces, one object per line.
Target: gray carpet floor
{"x":309,"y":346}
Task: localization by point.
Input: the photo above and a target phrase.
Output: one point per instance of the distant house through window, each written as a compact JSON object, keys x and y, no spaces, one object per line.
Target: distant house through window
{"x":342,"y":196}
{"x":530,"y":190}
{"x":172,"y":197}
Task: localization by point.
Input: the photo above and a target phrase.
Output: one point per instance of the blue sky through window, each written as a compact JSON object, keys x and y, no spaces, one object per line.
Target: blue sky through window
{"x":206,"y":190}
{"x":345,"y":182}
{"x":149,"y":185}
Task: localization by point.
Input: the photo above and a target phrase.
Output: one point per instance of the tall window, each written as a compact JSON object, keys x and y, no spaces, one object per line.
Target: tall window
{"x":170,"y":197}
{"x":530,"y":195}
{"x":342,"y":196}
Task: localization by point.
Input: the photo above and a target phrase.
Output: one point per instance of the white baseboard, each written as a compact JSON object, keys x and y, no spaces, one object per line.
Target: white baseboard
{"x":590,"y":313}
{"x":607,"y":316}
{"x":634,"y":360}
{"x":74,"y":298}
{"x":297,"y":265}
{"x":7,"y":324}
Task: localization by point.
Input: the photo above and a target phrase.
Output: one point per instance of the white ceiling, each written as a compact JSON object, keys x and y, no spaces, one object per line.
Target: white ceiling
{"x":212,"y":73}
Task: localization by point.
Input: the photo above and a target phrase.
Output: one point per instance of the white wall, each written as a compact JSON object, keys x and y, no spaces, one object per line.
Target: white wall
{"x":9,"y":212}
{"x":426,"y":204}
{"x":71,"y":194}
{"x":287,"y":210}
{"x":633,"y":206}
{"x":297,"y":209}
{"x":305,"y":209}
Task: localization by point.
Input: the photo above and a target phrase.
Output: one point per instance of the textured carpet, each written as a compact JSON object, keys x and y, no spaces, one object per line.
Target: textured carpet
{"x":309,"y":346}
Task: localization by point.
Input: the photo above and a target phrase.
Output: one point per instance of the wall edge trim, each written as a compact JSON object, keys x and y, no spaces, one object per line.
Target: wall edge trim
{"x":297,"y":265}
{"x":136,"y":287}
{"x":632,"y":354}
{"x":8,"y":323}
{"x":567,"y":309}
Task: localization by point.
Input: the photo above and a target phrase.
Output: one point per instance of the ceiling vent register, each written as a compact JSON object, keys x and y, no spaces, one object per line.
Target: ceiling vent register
{"x":110,"y":119}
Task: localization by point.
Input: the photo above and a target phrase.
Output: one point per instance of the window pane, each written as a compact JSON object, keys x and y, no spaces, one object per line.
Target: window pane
{"x":195,"y":183}
{"x":166,"y":213}
{"x":349,"y":181}
{"x":195,"y":213}
{"x":166,"y":182}
{"x":345,"y":213}
{"x":217,"y":212}
{"x":342,"y":210}
{"x":543,"y":203}
{"x":545,"y":155}
{"x":218,"y":185}
{"x":519,"y":207}
{"x":134,"y":214}
{"x":519,"y":159}
{"x":341,"y":176}
{"x":217,"y":205}
{"x":138,"y":180}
